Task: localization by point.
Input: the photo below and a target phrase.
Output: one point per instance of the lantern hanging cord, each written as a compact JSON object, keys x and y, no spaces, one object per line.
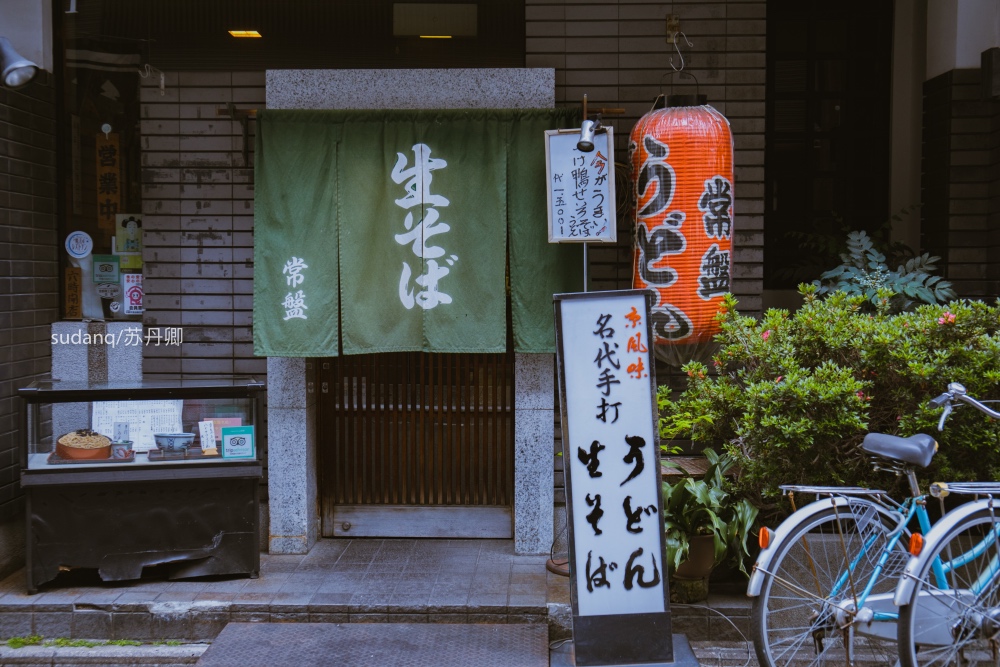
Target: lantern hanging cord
{"x":677,"y":47}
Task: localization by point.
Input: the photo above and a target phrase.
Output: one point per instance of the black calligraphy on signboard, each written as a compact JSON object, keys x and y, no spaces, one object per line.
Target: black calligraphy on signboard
{"x":614,"y":478}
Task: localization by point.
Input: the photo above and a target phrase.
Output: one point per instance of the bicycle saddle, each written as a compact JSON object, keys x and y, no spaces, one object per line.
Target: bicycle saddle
{"x":918,"y":449}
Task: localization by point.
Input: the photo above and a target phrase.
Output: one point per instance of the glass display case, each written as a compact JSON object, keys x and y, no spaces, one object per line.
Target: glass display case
{"x":121,"y":476}
{"x":163,"y":423}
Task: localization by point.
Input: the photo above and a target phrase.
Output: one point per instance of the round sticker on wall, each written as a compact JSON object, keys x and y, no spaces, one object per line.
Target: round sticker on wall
{"x":115,"y":306}
{"x":109,"y":290}
{"x":79,"y":244}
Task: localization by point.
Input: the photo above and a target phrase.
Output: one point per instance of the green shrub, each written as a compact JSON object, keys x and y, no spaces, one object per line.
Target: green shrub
{"x":795,"y":394}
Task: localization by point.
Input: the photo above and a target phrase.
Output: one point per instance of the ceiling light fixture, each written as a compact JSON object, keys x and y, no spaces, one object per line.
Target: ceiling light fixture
{"x":244,"y":33}
{"x":435,"y":36}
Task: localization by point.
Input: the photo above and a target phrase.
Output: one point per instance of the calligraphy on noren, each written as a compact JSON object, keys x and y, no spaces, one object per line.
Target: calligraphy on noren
{"x":416,"y":182}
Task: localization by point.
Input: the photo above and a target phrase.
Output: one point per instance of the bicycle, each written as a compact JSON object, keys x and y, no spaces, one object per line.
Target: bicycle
{"x":824,"y":585}
{"x":949,"y":592}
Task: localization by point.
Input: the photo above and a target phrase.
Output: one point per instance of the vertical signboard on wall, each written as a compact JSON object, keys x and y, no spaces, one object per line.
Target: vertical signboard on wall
{"x":108,"y":181}
{"x":621,"y":612}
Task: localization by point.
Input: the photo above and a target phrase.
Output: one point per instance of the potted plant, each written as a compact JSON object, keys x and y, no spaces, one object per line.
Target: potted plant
{"x":704,"y":524}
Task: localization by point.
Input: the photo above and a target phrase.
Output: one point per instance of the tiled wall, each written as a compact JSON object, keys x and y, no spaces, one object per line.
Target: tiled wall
{"x":197,"y":192}
{"x":993,"y":270}
{"x":616,"y":53}
{"x":959,"y":169}
{"x":29,"y":293}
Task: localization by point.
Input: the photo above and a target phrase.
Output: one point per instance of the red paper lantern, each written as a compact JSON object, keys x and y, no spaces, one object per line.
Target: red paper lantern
{"x":682,"y":171}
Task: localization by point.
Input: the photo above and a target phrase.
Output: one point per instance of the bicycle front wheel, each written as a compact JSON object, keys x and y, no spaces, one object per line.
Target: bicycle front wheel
{"x":953,"y":614}
{"x":817,"y":580}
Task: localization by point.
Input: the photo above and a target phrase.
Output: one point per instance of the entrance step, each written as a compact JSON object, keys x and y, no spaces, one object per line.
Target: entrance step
{"x":378,"y":645}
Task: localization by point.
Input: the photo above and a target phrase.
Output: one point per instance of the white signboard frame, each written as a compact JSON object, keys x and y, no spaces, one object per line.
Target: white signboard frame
{"x":576,"y":181}
{"x":607,"y":390}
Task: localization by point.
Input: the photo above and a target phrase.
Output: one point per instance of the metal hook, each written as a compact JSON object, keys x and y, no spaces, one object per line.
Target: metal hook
{"x":147,"y":72}
{"x":677,"y":47}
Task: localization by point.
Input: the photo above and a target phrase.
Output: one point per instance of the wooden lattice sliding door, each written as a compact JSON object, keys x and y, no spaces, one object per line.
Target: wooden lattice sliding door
{"x":416,"y":445}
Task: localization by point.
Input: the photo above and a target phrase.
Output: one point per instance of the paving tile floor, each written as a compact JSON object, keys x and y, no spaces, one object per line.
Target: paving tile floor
{"x":373,"y":580}
{"x":338,"y":581}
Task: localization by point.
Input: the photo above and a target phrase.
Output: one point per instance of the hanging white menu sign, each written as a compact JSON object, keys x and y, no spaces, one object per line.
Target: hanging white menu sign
{"x":580,"y":188}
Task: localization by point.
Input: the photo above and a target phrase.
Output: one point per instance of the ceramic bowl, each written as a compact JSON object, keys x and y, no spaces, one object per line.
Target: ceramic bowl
{"x":173,"y":442}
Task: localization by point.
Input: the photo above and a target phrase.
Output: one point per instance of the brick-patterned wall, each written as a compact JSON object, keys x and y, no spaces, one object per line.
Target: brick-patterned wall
{"x":993,"y":269}
{"x":197,"y":192}
{"x":29,"y":269}
{"x":616,"y":53}
{"x":957,"y":172}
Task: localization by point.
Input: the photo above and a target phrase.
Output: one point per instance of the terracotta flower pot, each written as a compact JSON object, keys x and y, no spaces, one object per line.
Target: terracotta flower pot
{"x":701,"y":558}
{"x":690,"y":581}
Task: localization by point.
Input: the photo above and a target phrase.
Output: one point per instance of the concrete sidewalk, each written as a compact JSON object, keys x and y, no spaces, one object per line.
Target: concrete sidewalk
{"x":339,"y":581}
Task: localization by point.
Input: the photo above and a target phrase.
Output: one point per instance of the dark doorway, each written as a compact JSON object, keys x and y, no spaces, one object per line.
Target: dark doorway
{"x":416,"y":445}
{"x":827,"y":140}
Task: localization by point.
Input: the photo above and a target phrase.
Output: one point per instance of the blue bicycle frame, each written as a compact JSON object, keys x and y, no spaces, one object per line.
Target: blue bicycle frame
{"x":910,"y":508}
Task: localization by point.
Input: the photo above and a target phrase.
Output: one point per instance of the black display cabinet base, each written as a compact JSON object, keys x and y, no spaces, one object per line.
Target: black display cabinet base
{"x":190,"y":527}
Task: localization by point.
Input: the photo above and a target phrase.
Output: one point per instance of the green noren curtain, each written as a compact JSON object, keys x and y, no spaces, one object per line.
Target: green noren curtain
{"x":408,"y":214}
{"x":296,"y":281}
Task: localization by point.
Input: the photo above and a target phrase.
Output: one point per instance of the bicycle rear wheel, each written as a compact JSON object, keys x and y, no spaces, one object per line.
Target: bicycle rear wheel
{"x":959,"y":624}
{"x":817,"y":573}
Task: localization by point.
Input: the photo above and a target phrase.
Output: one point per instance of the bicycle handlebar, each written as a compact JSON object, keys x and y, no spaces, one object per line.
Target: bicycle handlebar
{"x":956,"y":392}
{"x":939,"y":400}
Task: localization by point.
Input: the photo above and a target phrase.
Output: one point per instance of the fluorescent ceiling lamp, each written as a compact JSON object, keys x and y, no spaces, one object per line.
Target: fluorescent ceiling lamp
{"x":17,"y":70}
{"x":434,"y":20}
{"x":244,"y":33}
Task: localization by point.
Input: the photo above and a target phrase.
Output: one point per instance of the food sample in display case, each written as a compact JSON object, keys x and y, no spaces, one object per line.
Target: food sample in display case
{"x":83,"y":445}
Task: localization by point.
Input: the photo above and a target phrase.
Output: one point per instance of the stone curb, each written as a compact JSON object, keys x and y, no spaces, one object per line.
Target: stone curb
{"x":187,"y":654}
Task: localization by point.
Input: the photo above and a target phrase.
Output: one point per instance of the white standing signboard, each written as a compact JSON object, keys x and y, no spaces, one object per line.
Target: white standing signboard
{"x":580,"y":188}
{"x":612,"y":465}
